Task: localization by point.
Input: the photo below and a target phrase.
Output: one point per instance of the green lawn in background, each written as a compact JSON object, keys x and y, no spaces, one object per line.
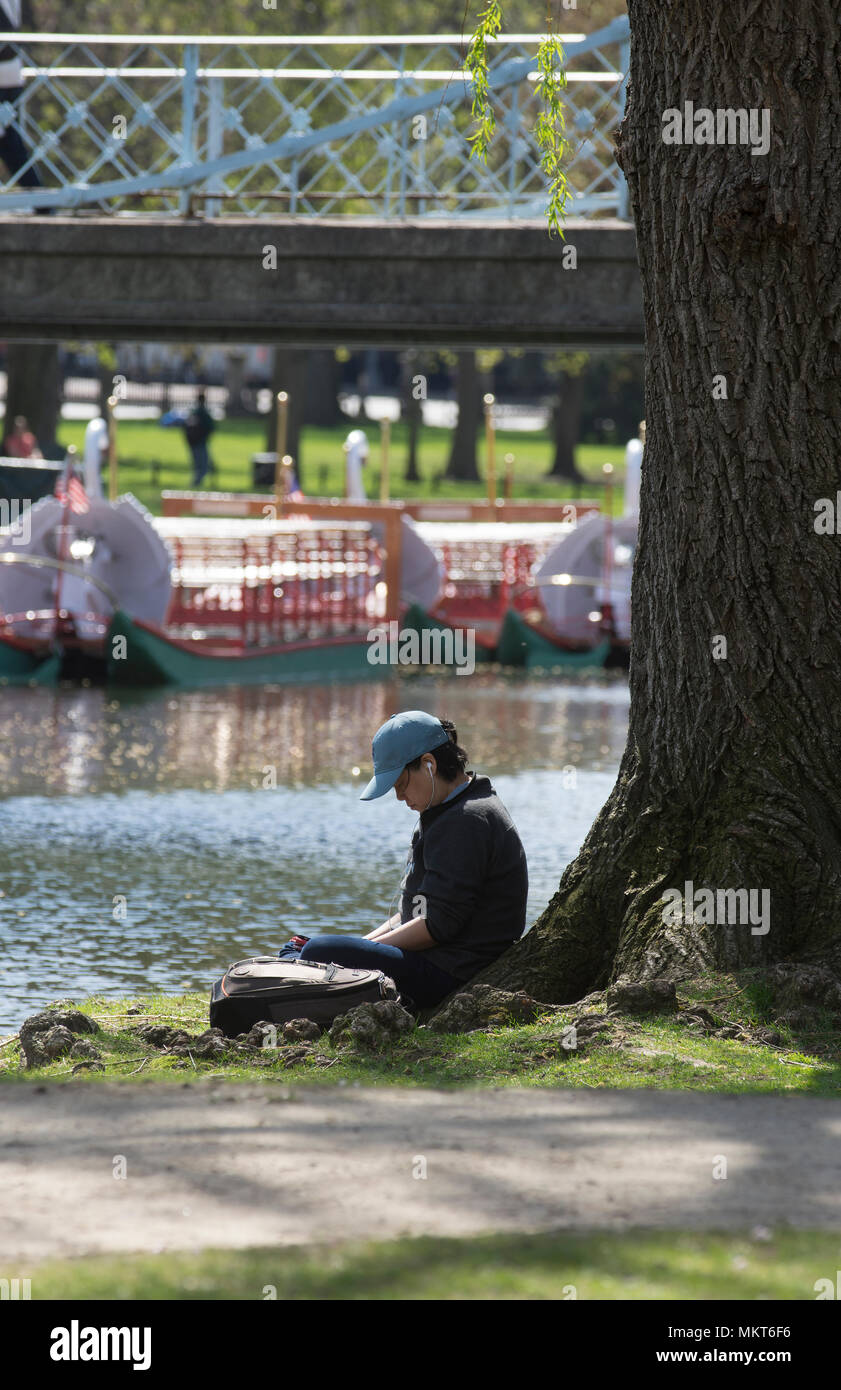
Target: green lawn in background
{"x":144,"y":443}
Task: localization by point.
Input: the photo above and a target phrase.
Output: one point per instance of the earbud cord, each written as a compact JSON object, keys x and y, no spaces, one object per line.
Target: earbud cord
{"x":426,"y":808}
{"x":432,"y":793}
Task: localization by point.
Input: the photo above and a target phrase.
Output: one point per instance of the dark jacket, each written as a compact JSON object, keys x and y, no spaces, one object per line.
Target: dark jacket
{"x":199,"y":425}
{"x":468,"y":867}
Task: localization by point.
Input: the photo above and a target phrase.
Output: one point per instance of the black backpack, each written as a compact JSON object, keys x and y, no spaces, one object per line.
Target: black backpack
{"x":266,"y":989}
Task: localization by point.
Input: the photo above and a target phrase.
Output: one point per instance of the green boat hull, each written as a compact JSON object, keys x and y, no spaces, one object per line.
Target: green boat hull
{"x":415,"y":619}
{"x":20,"y":667}
{"x":138,"y":656}
{"x":520,"y":645}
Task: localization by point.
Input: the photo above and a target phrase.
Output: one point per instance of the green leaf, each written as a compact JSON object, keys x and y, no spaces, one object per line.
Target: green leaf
{"x":550,"y":124}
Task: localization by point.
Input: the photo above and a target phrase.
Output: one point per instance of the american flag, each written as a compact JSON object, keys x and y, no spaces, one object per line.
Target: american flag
{"x":69,"y":489}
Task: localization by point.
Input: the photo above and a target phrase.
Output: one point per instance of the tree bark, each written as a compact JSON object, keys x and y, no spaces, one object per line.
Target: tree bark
{"x":462,"y":462}
{"x":731,"y":777}
{"x":33,"y":389}
{"x":566,"y":426}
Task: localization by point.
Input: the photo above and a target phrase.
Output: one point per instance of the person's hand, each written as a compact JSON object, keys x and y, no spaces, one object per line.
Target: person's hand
{"x":379,"y":931}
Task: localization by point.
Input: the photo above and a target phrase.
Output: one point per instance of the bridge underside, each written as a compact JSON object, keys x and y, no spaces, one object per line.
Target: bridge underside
{"x":355,"y":283}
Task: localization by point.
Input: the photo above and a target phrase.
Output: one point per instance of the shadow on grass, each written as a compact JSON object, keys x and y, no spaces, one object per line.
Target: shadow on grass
{"x":637,"y":1264}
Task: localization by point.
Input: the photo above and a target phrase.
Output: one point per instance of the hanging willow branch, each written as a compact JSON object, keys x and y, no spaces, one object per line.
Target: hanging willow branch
{"x":550,"y":129}
{"x":487,"y":28}
{"x":550,"y":126}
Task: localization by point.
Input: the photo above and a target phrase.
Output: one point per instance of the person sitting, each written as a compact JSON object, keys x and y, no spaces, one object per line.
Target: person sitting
{"x":463,"y":895}
{"x":290,"y":490}
{"x":21,"y":442}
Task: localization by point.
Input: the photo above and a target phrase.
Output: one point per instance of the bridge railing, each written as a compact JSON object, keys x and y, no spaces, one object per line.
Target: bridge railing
{"x":307,"y":126}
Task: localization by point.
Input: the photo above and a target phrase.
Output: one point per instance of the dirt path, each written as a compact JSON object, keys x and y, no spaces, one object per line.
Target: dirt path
{"x":225,"y":1165}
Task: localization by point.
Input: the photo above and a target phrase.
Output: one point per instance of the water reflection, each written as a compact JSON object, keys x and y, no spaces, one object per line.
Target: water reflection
{"x":228,"y":819}
{"x":86,"y":740}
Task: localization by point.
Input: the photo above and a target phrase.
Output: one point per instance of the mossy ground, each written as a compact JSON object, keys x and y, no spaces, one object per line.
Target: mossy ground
{"x":664,"y":1052}
{"x":636,"y":1265}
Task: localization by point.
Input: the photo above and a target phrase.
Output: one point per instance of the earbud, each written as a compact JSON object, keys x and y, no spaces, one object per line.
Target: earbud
{"x":428,"y":767}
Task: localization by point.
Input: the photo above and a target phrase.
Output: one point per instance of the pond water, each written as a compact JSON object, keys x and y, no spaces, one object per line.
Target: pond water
{"x":220,"y":822}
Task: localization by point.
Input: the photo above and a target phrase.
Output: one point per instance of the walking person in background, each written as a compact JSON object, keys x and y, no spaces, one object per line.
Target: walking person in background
{"x":13,"y":152}
{"x":198,"y":428}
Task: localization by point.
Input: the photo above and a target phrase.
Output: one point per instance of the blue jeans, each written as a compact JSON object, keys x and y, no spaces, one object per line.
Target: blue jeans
{"x":423,"y":982}
{"x":201,"y":462}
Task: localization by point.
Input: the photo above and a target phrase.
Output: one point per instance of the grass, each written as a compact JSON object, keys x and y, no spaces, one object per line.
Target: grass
{"x":660,"y":1053}
{"x":144,"y":443}
{"x":633,"y":1265}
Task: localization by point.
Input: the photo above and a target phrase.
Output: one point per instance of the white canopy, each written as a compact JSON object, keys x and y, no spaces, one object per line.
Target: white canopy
{"x":114,"y":543}
{"x":572,"y":577}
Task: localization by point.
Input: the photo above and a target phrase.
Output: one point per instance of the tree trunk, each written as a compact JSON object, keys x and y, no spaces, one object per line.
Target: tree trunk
{"x":368,"y":383}
{"x":462,"y":462}
{"x":288,"y":374}
{"x":321,"y":406}
{"x":411,"y":411}
{"x":235,"y":382}
{"x":566,"y":424}
{"x":33,"y":389}
{"x":413,"y":417}
{"x":731,"y":778}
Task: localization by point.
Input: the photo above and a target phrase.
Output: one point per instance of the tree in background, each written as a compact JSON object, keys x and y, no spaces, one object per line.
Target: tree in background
{"x":462,"y":462}
{"x":411,"y":408}
{"x":473,"y":376}
{"x":613,"y":382}
{"x":323,"y":379}
{"x":33,"y":389}
{"x":294,"y":16}
{"x":565,"y":424}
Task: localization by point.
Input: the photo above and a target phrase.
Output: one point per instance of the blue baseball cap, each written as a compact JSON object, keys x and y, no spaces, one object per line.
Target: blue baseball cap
{"x":398,"y":742}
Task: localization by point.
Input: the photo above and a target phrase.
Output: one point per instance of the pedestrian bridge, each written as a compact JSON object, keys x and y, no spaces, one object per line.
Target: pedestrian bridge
{"x":325,"y":281}
{"x":308,"y":126}
{"x":312,"y":190}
